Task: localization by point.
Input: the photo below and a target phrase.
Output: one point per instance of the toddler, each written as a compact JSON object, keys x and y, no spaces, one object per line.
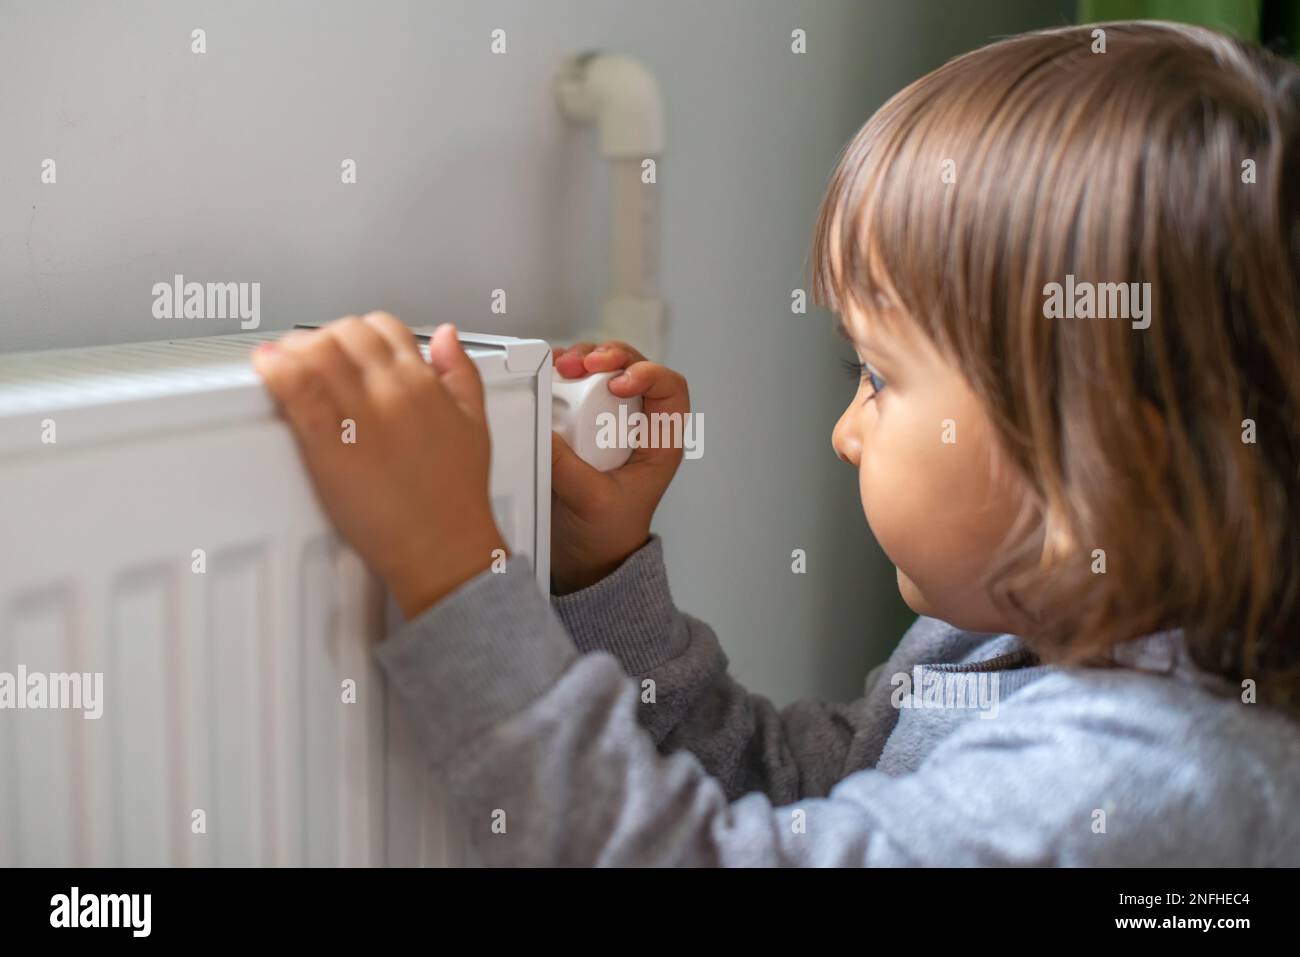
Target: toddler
{"x":1070,"y":277}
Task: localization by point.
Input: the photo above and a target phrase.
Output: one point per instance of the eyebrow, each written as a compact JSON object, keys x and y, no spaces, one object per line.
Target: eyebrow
{"x":843,"y":332}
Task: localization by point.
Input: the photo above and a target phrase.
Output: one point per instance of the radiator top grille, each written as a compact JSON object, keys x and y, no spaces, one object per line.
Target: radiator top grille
{"x":45,"y":381}
{"x":32,"y":381}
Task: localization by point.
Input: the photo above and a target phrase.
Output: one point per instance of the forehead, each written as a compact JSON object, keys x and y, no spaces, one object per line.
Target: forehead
{"x":879,"y":320}
{"x":879,"y":327}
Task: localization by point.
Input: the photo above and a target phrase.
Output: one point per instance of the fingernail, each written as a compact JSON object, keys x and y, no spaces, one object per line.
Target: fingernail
{"x":265,"y":348}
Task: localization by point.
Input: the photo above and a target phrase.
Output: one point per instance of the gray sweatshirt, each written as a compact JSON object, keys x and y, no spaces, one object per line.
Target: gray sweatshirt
{"x":602,"y":728}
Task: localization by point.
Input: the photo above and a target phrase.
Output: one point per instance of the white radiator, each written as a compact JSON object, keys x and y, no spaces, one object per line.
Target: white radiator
{"x":158,"y":528}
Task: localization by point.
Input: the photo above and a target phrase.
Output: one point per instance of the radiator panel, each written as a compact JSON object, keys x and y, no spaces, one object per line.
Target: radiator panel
{"x":188,"y":562}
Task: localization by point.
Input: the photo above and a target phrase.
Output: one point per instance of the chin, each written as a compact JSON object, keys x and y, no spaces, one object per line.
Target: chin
{"x":912,"y":595}
{"x":963,"y":617}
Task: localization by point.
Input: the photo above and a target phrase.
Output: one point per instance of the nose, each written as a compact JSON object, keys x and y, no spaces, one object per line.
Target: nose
{"x":845,"y":439}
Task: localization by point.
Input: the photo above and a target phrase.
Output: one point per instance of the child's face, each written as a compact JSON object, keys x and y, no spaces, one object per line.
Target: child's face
{"x":924,"y":448}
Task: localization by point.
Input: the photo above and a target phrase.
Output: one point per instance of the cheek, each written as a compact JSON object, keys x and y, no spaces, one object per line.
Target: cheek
{"x":895,"y":479}
{"x":931,"y":507}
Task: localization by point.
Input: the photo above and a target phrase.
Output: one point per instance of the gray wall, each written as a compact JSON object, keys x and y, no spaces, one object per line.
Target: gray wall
{"x":225,"y":166}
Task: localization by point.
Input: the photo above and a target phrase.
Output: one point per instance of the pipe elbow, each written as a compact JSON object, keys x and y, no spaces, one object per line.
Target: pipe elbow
{"x":620,"y":96}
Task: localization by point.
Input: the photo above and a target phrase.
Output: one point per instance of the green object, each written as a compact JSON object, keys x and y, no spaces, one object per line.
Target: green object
{"x":1272,"y":23}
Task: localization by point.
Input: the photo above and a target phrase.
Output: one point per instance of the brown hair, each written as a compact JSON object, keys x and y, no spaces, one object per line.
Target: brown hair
{"x":1123,"y":166}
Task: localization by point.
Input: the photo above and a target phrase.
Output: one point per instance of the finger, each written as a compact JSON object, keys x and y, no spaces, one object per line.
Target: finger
{"x":609,"y":356}
{"x":295,"y":337}
{"x":661,"y":388}
{"x":458,"y":372}
{"x":390,"y":386}
{"x":304,"y":398}
{"x":321,"y":352}
{"x":556,"y":353}
{"x":396,"y":333}
{"x":573,"y":481}
{"x":408,"y":367}
{"x":569,"y":364}
{"x":663,"y":392}
{"x":369,"y":350}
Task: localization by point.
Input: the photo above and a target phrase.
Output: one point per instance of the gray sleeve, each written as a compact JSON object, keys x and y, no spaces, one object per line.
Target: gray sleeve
{"x":547,"y":764}
{"x":688,"y":701}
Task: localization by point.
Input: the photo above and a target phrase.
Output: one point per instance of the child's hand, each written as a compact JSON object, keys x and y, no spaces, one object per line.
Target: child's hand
{"x":397,"y":448}
{"x":600,"y":518}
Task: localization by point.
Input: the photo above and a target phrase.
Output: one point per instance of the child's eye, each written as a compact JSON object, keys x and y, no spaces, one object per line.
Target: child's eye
{"x":862,"y":370}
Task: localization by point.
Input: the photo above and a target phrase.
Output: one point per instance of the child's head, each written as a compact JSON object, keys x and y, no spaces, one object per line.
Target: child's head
{"x":1029,"y":465}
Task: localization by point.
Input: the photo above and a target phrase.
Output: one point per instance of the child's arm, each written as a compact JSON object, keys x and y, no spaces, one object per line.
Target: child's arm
{"x":687,"y":700}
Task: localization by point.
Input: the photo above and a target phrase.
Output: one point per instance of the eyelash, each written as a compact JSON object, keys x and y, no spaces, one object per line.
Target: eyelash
{"x":860,"y":370}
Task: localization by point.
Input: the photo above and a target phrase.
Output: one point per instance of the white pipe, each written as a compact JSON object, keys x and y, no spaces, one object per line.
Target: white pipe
{"x":621,"y":97}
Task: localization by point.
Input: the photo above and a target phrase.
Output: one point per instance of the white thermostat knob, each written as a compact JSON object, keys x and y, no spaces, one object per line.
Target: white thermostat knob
{"x":586,"y":414}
